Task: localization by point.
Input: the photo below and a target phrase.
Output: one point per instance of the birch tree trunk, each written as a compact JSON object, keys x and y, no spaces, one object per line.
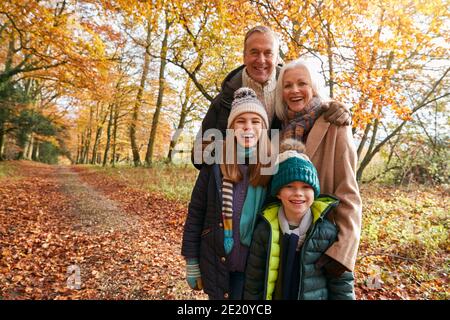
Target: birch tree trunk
{"x":151,"y":140}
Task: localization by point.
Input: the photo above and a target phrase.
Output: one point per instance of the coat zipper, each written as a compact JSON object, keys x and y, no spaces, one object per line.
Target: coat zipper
{"x":302,"y":253}
{"x":269,"y":246}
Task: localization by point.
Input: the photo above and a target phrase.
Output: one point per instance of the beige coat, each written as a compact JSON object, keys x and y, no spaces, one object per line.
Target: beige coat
{"x":332,"y":151}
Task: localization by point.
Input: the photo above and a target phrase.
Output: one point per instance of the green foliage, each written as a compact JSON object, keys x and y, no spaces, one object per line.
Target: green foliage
{"x":405,"y":234}
{"x":19,"y":117}
{"x":10,"y":93}
{"x":10,"y":97}
{"x":416,"y":158}
{"x":48,"y":153}
{"x":408,"y":220}
{"x":31,"y":121}
{"x":423,"y":162}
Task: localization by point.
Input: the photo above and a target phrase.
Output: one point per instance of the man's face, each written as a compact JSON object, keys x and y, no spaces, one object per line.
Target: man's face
{"x":260,"y":56}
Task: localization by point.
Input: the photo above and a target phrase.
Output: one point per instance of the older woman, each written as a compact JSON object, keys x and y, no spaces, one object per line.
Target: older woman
{"x":331,"y":149}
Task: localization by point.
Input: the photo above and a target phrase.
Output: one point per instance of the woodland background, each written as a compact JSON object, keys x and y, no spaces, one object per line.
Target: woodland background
{"x":110,"y":94}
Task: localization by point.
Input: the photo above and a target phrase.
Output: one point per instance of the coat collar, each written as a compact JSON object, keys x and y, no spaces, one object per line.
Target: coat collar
{"x":320,"y":208}
{"x":316,"y":135}
{"x":233,"y":81}
{"x":218,"y":180}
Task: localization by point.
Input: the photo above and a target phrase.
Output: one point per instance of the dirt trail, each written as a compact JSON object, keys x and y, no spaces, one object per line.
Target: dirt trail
{"x":91,"y":208}
{"x":70,"y":233}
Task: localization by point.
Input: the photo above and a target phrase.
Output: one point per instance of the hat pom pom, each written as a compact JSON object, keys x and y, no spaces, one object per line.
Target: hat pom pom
{"x":245,"y":93}
{"x":292,"y":144}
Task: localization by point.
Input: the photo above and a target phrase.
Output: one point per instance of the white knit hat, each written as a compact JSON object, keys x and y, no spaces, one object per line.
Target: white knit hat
{"x":245,"y":100}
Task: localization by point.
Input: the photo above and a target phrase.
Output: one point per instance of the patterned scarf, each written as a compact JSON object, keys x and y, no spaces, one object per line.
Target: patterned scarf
{"x":227,"y":213}
{"x":265,"y":92}
{"x":252,"y":205}
{"x":300,"y":123}
{"x":227,"y":199}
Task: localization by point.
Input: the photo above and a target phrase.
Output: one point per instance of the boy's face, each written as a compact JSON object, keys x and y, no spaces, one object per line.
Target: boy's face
{"x":296,"y":197}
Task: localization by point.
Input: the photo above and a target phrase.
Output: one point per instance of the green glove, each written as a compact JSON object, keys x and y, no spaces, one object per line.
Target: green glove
{"x":193,"y":275}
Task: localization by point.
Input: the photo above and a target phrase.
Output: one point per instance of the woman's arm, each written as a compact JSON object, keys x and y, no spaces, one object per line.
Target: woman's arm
{"x":347,"y":215}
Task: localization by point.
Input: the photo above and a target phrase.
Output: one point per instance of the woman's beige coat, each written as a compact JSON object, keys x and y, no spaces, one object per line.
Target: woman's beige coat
{"x":332,"y":151}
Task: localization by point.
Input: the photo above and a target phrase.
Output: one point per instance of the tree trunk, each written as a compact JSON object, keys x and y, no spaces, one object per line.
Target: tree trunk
{"x":424,"y":102}
{"x":89,"y":136}
{"x":24,"y":146}
{"x":88,"y":145}
{"x":363,"y":140}
{"x":96,"y":143}
{"x":330,"y":59}
{"x":77,"y":160}
{"x":177,"y":134}
{"x":29,"y":150}
{"x":35,"y":154}
{"x":108,"y":136}
{"x":84,"y":149}
{"x":138,"y":103}
{"x":2,"y":140}
{"x":80,"y":159}
{"x":151,"y":140}
{"x":37,"y":150}
{"x":116,"y":116}
{"x":98,"y":134}
{"x":369,"y":154}
{"x":375,"y":109}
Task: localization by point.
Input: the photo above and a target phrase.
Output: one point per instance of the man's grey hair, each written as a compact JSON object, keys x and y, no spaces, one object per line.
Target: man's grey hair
{"x":263,"y":30}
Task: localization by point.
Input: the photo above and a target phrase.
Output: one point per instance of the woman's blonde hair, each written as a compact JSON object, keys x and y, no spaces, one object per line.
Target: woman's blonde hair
{"x":230,"y":167}
{"x":280,"y":106}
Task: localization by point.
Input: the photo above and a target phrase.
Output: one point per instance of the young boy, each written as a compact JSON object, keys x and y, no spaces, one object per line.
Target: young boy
{"x":292,"y":234}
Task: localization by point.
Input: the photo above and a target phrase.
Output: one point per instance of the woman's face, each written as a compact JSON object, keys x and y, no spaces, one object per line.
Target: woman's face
{"x":247,"y":129}
{"x":297,"y":89}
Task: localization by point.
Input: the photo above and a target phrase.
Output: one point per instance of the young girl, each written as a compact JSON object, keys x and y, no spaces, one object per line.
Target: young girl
{"x":225,"y":201}
{"x":292,"y":234}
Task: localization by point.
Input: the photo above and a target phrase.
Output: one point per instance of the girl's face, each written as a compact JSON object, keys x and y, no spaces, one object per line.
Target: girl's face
{"x":247,"y":129}
{"x":297,"y":88}
{"x":296,"y":198}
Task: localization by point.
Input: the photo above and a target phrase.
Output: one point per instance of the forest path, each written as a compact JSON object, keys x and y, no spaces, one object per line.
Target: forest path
{"x":67,"y":232}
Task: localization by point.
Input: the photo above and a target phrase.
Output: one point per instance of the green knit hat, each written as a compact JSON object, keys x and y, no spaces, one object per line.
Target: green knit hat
{"x":294,"y":166}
